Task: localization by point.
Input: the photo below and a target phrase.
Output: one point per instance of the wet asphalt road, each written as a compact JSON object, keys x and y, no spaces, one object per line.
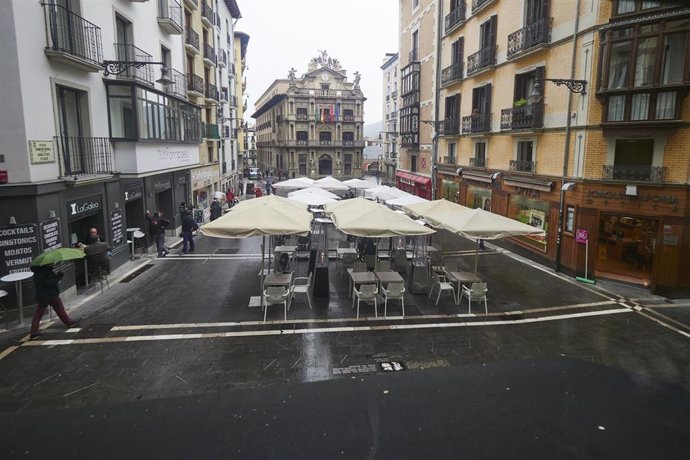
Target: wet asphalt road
{"x":174,"y":364}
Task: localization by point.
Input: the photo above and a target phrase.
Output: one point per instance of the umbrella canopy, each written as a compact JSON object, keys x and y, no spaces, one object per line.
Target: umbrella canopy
{"x":296,"y":183}
{"x":315,"y":191}
{"x":359,"y":184}
{"x":360,"y":217}
{"x":383,"y":193}
{"x":433,"y":208}
{"x":57,"y":255}
{"x":268,"y":215}
{"x":408,"y":199}
{"x":311,"y":199}
{"x":330,"y":183}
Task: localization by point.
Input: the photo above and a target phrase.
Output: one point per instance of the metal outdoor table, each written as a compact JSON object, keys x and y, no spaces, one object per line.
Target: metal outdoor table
{"x":17,"y":278}
{"x":131,"y":239}
{"x":389,"y":277}
{"x":285,"y":248}
{"x":280,"y":279}
{"x":341,"y":251}
{"x":462,"y":278}
{"x":362,"y":278}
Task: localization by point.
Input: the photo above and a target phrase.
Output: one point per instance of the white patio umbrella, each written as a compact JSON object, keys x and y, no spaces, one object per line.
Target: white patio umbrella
{"x":359,"y":184}
{"x":311,"y":199}
{"x":404,"y":200}
{"x":331,"y":183}
{"x":384,"y":192}
{"x":314,"y":191}
{"x":293,"y":184}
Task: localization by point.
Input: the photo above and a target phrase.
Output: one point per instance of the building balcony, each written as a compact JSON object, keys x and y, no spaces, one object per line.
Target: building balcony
{"x":302,"y":117}
{"x":451,"y":74}
{"x":178,"y":87}
{"x":192,"y":4}
{"x":297,"y":143}
{"x":325,"y":142}
{"x":210,"y":57}
{"x":126,"y":52}
{"x":450,"y":127}
{"x":210,"y":131}
{"x":195,"y":85}
{"x":455,"y":18}
{"x":353,"y":143}
{"x":394,"y":94}
{"x":478,"y":5}
{"x":211,"y":94}
{"x":222,"y":59}
{"x":528,"y":37}
{"x":529,"y":116}
{"x":482,"y":59}
{"x":208,"y":17}
{"x":394,"y":114}
{"x":84,"y":156}
{"x":523,"y":166}
{"x":634,"y":173}
{"x":449,"y":160}
{"x":478,"y":123}
{"x":191,"y":41}
{"x":233,"y":101}
{"x":72,"y":39}
{"x":170,"y":16}
{"x":409,"y":139}
{"x":413,"y":55}
{"x":478,"y":162}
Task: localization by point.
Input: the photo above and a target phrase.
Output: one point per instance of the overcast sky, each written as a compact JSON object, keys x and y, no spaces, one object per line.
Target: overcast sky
{"x":289,"y":33}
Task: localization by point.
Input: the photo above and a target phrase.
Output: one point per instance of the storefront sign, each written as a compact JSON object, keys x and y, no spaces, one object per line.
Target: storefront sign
{"x":160,"y":185}
{"x":41,"y":152}
{"x":116,"y":226}
{"x":18,"y":247}
{"x":83,"y":206}
{"x":134,"y":194}
{"x":581,"y":236}
{"x":621,"y":196}
{"x":50,"y":234}
{"x":527,"y":192}
{"x":178,"y":155}
{"x":203,"y":177}
{"x":181,"y":180}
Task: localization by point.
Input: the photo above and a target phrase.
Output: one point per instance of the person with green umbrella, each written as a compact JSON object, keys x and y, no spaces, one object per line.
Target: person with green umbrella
{"x":46,"y":283}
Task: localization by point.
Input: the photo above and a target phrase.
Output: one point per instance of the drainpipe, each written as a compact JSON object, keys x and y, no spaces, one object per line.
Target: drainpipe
{"x":566,"y":152}
{"x":437,"y":96}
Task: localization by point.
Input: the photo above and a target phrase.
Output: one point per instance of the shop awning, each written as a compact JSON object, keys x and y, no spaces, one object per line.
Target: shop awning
{"x":477,"y":176}
{"x":529,"y":182}
{"x":423,"y":180}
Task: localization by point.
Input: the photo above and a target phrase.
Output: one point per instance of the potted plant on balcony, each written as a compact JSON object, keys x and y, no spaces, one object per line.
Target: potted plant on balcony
{"x":520,"y":102}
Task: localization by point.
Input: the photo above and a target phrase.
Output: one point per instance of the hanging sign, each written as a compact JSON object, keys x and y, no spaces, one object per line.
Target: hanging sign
{"x":116,"y":226}
{"x":18,"y":247}
{"x":581,"y":236}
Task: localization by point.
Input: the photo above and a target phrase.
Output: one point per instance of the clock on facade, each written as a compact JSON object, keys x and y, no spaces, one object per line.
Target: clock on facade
{"x":324,"y":77}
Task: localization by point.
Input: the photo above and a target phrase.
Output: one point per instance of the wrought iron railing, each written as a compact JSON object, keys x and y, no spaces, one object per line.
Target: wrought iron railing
{"x":449,"y":160}
{"x":531,"y":35}
{"x":83,"y":156}
{"x":525,"y":117}
{"x":211,"y":92}
{"x":195,"y":83}
{"x":455,"y":17}
{"x":394,"y":114}
{"x":478,"y":162}
{"x":177,"y":87}
{"x":634,"y":173}
{"x":210,"y":131}
{"x":192,"y":38}
{"x":523,"y":166}
{"x":69,"y":33}
{"x":477,"y":123}
{"x":223,"y":58}
{"x":324,"y":142}
{"x":302,"y":116}
{"x":485,"y":57}
{"x":210,"y":53}
{"x":450,"y":126}
{"x":207,"y":12}
{"x":324,"y":92}
{"x":172,"y":11}
{"x":127,"y":52}
{"x":478,"y":4}
{"x":413,"y":55}
{"x":451,"y":73}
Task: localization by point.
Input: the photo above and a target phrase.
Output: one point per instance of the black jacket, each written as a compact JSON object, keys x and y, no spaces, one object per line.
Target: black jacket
{"x":216,"y":210}
{"x":157,"y":224}
{"x":188,"y":223}
{"x":46,"y":283}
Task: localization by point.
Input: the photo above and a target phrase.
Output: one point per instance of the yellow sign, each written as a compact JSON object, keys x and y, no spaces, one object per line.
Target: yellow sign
{"x":41,"y":152}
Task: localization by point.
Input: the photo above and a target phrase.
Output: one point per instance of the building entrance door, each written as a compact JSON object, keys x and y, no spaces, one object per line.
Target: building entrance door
{"x":325,"y":165}
{"x":625,"y":249}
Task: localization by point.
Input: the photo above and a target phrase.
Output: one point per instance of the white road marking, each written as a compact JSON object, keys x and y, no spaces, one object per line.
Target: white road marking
{"x":321,"y":330}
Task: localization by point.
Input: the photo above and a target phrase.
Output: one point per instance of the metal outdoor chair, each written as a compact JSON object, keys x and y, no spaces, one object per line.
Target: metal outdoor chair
{"x":358,"y":266}
{"x":300,"y":287}
{"x":275,"y":295}
{"x":346,"y":261}
{"x":367,"y":293}
{"x":440,"y":282}
{"x":476,"y":291}
{"x":394,"y":291}
{"x":383,"y":266}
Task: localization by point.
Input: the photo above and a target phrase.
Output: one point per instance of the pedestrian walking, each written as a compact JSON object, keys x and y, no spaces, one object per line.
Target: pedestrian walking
{"x":216,"y":209}
{"x":188,"y":229}
{"x":268,"y":187}
{"x":46,"y":284}
{"x":157,"y":226}
{"x":230,"y":197}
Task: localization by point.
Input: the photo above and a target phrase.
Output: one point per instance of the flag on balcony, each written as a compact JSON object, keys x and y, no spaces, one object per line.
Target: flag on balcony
{"x":332,"y":114}
{"x":322,"y":116}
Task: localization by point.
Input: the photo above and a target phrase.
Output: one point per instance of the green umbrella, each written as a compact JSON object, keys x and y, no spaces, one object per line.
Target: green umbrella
{"x":52,"y":256}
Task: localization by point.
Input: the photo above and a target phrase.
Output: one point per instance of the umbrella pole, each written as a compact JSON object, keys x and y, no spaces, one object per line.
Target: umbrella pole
{"x":263,"y":245}
{"x":476,"y":256}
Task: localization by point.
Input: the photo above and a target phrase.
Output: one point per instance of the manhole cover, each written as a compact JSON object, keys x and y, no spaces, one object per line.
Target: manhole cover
{"x":138,"y":272}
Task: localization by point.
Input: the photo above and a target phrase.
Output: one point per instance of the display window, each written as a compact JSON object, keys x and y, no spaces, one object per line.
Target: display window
{"x":478,"y":197}
{"x":450,"y":190}
{"x":531,"y":212}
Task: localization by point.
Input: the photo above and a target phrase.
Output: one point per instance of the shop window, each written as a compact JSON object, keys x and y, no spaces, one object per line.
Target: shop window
{"x":450,"y":190}
{"x":570,"y":219}
{"x":532,"y":212}
{"x":478,"y":198}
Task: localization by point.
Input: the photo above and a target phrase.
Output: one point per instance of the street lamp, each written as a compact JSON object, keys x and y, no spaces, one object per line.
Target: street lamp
{"x":393,"y":134}
{"x":576,"y":87}
{"x":437,"y":124}
{"x":120,"y":67}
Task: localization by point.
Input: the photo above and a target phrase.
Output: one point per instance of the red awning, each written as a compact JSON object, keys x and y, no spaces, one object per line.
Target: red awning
{"x":422,"y":180}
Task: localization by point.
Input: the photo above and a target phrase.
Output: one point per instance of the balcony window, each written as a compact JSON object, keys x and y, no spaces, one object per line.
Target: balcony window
{"x":450,"y":157}
{"x":666,"y":106}
{"x":632,"y":6}
{"x":672,"y":67}
{"x":71,"y":37}
{"x":347,"y":164}
{"x":479,"y":159}
{"x":633,"y":162}
{"x":302,"y":113}
{"x":302,"y":164}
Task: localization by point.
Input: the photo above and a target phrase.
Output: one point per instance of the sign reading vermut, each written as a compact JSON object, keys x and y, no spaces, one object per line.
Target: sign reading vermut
{"x":116,"y":226}
{"x":50,"y":234}
{"x":581,"y":235}
{"x":18,"y":247}
{"x":83,"y":206}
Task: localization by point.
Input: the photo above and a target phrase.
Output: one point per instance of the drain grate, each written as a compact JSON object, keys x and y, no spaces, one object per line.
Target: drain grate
{"x":226,"y":251}
{"x":139,"y":271}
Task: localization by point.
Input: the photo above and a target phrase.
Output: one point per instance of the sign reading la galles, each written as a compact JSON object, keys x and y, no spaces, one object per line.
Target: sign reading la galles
{"x":83,"y":206}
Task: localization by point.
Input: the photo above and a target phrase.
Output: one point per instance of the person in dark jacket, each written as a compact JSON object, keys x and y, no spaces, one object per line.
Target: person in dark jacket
{"x":157,"y":225}
{"x":188,"y":227}
{"x":216,"y":209}
{"x":48,"y":294}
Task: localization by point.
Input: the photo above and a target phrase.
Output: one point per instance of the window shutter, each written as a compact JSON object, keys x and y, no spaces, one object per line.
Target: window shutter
{"x":461,"y":49}
{"x":487,"y":99}
{"x":492,"y":30}
{"x":456,"y":114}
